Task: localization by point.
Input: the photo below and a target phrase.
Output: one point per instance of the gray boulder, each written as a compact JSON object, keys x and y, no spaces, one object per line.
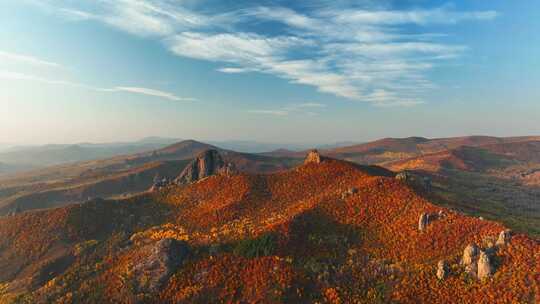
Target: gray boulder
{"x":423,"y":221}
{"x":157,"y":262}
{"x":485,"y":269}
{"x":504,"y":238}
{"x":470,"y":254}
{"x":442,"y":270}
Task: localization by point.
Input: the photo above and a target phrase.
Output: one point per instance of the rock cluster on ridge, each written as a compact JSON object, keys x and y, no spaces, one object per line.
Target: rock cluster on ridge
{"x":313,"y":156}
{"x":205,"y":164}
{"x":442,"y":269}
{"x":504,"y":238}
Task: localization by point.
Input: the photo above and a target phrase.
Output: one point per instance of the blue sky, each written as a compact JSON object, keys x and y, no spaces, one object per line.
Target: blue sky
{"x":274,"y":71}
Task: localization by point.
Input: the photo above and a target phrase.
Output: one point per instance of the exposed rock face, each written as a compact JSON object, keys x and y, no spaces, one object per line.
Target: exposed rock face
{"x":470,"y":256}
{"x":402,"y":176}
{"x":470,"y":259}
{"x":504,"y":238}
{"x":313,"y":157}
{"x":442,"y":270}
{"x":349,"y":192}
{"x":440,"y":214}
{"x":485,"y":269}
{"x":228,"y":170}
{"x":158,"y":262}
{"x":423,"y":221}
{"x":415,"y":180}
{"x":206,"y":164}
{"x":160,"y":184}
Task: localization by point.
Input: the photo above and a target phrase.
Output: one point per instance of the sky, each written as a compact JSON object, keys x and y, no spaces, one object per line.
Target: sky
{"x":315,"y":71}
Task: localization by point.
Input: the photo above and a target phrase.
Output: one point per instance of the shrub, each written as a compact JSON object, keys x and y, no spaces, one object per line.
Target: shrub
{"x":264,"y":245}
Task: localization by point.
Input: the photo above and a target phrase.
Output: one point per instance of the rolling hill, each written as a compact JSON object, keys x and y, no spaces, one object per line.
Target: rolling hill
{"x":393,"y":149}
{"x":113,"y":177}
{"x":332,"y":232}
{"x":33,"y":157}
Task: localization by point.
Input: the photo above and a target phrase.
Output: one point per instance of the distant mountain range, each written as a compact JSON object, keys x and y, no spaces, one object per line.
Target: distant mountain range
{"x":500,"y":175}
{"x":22,"y":158}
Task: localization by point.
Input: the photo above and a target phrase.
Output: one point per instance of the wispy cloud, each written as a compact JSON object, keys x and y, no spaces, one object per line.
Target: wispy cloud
{"x":270,"y":112}
{"x":306,"y":108}
{"x":362,"y":54}
{"x":150,"y":92}
{"x":26,"y":59}
{"x":133,"y":90}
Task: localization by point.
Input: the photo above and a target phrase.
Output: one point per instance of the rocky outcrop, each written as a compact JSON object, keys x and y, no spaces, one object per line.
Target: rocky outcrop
{"x":423,"y":221}
{"x":160,"y":184}
{"x":485,"y":269}
{"x":470,"y":258}
{"x":313,"y":157}
{"x":403,"y":176}
{"x":504,"y":238}
{"x":442,"y":270}
{"x":228,"y":170}
{"x":156,"y":263}
{"x":477,"y":262}
{"x":349,"y":192}
{"x":415,"y":180}
{"x":206,"y":164}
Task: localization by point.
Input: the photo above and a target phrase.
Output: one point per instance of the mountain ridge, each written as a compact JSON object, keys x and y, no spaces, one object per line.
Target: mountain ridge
{"x":367,"y":238}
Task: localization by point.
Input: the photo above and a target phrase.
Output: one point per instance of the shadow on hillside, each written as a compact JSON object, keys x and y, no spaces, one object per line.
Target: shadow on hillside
{"x":493,"y":198}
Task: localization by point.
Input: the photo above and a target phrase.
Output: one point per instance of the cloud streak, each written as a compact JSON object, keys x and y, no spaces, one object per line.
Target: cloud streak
{"x":368,"y":55}
{"x":151,"y":92}
{"x":307,"y":108}
{"x":133,"y":90}
{"x":26,"y":59}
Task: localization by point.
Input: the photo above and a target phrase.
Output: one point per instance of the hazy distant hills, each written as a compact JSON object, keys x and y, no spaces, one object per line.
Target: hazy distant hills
{"x":500,"y":175}
{"x":24,"y":158}
{"x":116,"y":176}
{"x":392,"y":149}
{"x":47,"y":155}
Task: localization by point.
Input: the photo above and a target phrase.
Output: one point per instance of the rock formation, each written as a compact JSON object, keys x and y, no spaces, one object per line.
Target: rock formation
{"x":205,"y":164}
{"x":157,"y":262}
{"x":160,"y":184}
{"x":470,"y":254}
{"x":228,"y":170}
{"x":349,"y":192}
{"x":442,"y":270}
{"x":485,"y":269}
{"x":313,"y":157}
{"x":504,"y":238}
{"x":402,"y":176}
{"x":423,"y":221}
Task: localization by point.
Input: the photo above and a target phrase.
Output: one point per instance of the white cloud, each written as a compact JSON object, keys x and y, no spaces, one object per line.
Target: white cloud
{"x":134,"y":90}
{"x":26,"y":59}
{"x":441,"y":15}
{"x":235,"y":48}
{"x":234,"y":70}
{"x":270,"y":112}
{"x":151,"y":92}
{"x":306,"y":108}
{"x":364,"y":54}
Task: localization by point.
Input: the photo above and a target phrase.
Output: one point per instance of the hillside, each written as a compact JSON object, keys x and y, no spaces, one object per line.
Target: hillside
{"x":33,"y":157}
{"x":497,"y":181}
{"x":332,"y":232}
{"x":118,"y":176}
{"x":392,"y":149}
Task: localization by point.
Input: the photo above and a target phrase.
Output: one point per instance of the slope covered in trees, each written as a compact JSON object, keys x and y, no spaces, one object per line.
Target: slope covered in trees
{"x":329,"y":232}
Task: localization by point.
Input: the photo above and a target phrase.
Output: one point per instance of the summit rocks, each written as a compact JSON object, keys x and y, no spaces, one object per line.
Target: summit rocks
{"x":313,"y":156}
{"x":205,"y":164}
